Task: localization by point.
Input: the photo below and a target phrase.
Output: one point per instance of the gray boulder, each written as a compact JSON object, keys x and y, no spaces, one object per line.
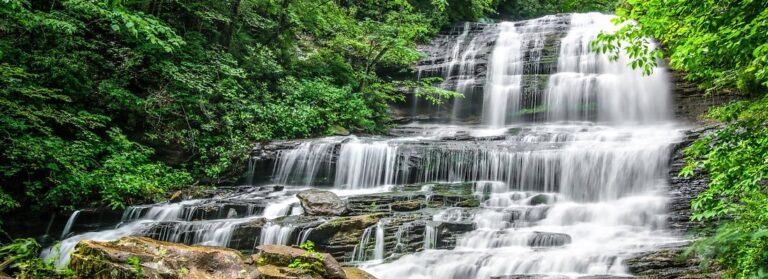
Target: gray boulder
{"x":321,"y":203}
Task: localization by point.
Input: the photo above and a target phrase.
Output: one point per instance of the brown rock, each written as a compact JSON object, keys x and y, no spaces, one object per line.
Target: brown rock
{"x":282,"y":256}
{"x":356,"y":273}
{"x":411,"y":205}
{"x":157,"y":259}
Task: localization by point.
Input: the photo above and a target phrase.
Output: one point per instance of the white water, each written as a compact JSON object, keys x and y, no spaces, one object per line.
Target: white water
{"x":502,"y":89}
{"x":70,"y":223}
{"x":604,"y":181}
{"x":586,"y":79}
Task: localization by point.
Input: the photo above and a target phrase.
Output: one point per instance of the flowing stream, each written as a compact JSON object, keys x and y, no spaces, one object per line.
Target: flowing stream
{"x":568,"y":153}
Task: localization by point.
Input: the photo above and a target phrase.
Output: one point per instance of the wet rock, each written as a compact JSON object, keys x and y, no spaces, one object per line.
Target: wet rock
{"x":279,"y":256}
{"x":684,"y":189}
{"x":356,"y":273}
{"x":669,"y":263}
{"x":245,"y":235}
{"x":376,"y":203}
{"x":548,"y":239}
{"x":157,"y":259}
{"x":448,"y":232}
{"x":321,"y":203}
{"x":340,"y":235}
{"x":540,"y":199}
{"x":411,"y":205}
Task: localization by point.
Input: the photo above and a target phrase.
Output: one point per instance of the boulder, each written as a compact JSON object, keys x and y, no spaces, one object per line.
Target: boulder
{"x":131,"y":256}
{"x":274,"y":259}
{"x":540,"y":199}
{"x":321,"y":203}
{"x":340,"y":235}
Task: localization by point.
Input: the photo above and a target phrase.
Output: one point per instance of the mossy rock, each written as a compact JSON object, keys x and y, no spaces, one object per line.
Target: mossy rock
{"x":314,"y":264}
{"x":129,"y":256}
{"x":411,"y":205}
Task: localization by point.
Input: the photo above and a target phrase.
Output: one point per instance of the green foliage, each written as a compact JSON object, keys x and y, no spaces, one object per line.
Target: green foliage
{"x":735,"y":159}
{"x":721,"y":44}
{"x":524,"y":9}
{"x":135,"y":263}
{"x":314,"y":265}
{"x":20,"y":258}
{"x":631,"y":40}
{"x":118,"y":102}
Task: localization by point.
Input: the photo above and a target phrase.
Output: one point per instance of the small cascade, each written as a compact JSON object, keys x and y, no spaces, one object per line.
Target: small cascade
{"x":277,"y":234}
{"x":400,"y":237}
{"x":430,"y":236}
{"x":378,"y":250}
{"x":306,"y":163}
{"x":365,"y":165}
{"x":359,"y":254}
{"x":363,"y":251}
{"x":304,"y":235}
{"x":211,"y":233}
{"x":70,"y":222}
{"x":280,"y":208}
{"x":456,"y":51}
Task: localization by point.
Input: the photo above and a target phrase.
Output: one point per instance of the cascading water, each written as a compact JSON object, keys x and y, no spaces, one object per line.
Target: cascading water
{"x":563,"y":198}
{"x":567,"y":157}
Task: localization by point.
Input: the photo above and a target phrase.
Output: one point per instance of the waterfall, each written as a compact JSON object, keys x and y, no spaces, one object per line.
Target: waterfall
{"x":502,"y":90}
{"x":302,"y":165}
{"x":363,"y":165}
{"x":565,"y":152}
{"x":360,"y":252}
{"x":70,"y":222}
{"x":568,"y":196}
{"x":378,"y":250}
{"x":430,"y":236}
{"x":276,"y":234}
{"x":587,"y":85}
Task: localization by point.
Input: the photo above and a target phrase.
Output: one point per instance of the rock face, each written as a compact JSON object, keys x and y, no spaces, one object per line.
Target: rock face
{"x":682,"y":189}
{"x":669,"y":263}
{"x":157,"y":259}
{"x":691,"y":102}
{"x":321,"y":203}
{"x":277,"y":259}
